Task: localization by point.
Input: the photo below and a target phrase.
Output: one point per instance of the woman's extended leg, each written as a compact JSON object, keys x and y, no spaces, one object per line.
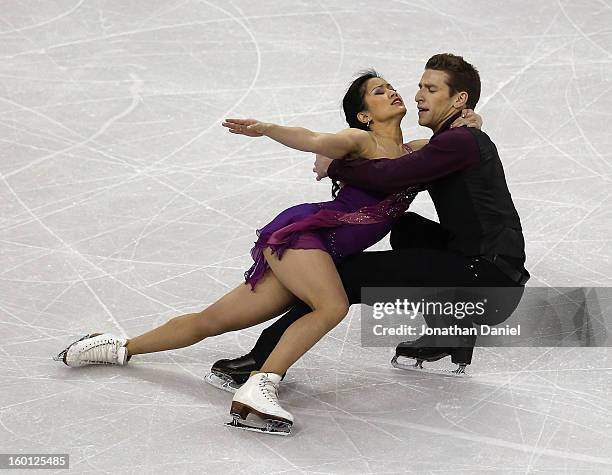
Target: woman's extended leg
{"x":311,"y":275}
{"x":240,"y":308}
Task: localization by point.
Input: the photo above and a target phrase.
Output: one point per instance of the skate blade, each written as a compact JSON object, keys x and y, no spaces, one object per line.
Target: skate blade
{"x":62,"y":354}
{"x":418,"y":368}
{"x":222,"y":381}
{"x":267,"y":426}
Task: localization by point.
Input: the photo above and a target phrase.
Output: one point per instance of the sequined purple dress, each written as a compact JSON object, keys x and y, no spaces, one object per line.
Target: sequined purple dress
{"x":355,"y":220}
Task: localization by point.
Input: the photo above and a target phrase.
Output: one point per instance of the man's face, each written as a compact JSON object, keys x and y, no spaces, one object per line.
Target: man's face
{"x":434,"y":102}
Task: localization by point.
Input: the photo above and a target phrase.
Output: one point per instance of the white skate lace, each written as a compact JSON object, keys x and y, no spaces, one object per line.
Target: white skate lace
{"x":269,"y":390}
{"x":105,"y":352}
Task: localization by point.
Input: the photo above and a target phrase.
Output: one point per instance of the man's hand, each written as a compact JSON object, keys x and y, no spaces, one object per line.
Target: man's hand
{"x":468,"y":118}
{"x":321,"y":165}
{"x":248,"y":127}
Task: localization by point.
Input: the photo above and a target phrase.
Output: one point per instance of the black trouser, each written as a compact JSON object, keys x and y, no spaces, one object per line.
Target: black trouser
{"x":419,"y":259}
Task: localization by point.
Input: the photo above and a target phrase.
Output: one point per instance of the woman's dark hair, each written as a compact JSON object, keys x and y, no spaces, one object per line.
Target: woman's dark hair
{"x":353,"y":103}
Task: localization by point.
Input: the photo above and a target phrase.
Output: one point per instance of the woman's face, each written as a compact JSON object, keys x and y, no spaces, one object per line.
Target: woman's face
{"x":383,"y":101}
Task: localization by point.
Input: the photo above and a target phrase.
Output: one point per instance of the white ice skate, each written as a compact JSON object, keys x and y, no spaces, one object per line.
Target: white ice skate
{"x":97,"y":348}
{"x":259,"y":397}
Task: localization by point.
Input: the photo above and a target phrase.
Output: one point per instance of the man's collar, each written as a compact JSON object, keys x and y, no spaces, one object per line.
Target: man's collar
{"x":446,"y":125}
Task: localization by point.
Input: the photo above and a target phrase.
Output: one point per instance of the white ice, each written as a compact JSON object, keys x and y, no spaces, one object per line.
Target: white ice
{"x":123,"y":202}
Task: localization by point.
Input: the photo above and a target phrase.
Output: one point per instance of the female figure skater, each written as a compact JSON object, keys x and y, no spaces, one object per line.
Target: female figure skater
{"x":295,"y":255}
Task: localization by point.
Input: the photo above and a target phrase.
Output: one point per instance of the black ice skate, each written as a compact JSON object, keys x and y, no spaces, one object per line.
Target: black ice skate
{"x":231,"y":374}
{"x":425,"y":350}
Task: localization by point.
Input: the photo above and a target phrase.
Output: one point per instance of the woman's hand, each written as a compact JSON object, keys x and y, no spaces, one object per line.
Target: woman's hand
{"x":248,"y":127}
{"x":468,"y":118}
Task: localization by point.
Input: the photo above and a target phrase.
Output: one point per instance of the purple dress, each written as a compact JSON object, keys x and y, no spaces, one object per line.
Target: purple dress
{"x":355,"y":220}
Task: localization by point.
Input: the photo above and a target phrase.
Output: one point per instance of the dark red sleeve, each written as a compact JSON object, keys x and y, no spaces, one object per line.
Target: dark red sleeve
{"x":448,"y":152}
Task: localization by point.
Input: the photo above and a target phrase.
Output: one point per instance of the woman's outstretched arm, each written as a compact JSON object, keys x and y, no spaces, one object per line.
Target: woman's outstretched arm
{"x":346,"y":143}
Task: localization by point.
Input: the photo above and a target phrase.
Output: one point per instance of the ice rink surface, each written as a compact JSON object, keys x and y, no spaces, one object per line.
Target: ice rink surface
{"x":123,"y":202}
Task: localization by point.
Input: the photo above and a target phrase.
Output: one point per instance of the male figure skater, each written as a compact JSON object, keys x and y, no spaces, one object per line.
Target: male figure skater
{"x":478,"y":242}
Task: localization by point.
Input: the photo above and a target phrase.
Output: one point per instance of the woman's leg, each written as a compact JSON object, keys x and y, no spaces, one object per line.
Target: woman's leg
{"x":238,"y":309}
{"x":310,"y":275}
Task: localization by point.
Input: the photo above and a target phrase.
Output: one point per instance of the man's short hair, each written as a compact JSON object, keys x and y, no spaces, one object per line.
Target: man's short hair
{"x":462,"y":76}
